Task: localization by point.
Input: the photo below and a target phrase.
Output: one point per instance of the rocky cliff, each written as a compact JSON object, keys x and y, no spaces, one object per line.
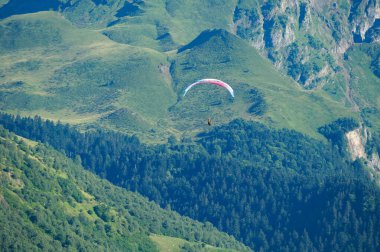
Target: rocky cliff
{"x":357,"y":140}
{"x":307,"y":39}
{"x":356,"y":144}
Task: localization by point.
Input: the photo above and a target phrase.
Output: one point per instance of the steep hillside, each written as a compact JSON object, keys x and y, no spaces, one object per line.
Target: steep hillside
{"x":48,"y":202}
{"x":272,"y":189}
{"x":307,"y":38}
{"x":310,"y":40}
{"x":363,"y":62}
{"x":261,"y":92}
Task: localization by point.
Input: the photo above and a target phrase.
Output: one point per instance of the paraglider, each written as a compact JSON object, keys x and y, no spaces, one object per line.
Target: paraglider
{"x":211,"y":81}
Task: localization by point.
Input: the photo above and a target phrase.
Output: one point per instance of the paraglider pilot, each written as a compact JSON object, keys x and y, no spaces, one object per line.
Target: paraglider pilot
{"x":213,"y":82}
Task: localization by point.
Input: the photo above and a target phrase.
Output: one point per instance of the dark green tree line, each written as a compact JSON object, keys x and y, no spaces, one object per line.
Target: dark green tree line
{"x":274,"y":190}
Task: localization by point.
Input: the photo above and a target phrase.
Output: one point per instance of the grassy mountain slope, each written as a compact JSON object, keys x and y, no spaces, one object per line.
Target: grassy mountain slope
{"x":363,"y":61}
{"x":173,"y":244}
{"x":142,"y":23}
{"x":168,"y":24}
{"x":219,"y":54}
{"x":48,"y":202}
{"x":79,"y":76}
{"x":304,"y":39}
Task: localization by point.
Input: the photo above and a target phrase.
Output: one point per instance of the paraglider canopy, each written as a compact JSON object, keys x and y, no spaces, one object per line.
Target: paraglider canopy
{"x":211,"y":81}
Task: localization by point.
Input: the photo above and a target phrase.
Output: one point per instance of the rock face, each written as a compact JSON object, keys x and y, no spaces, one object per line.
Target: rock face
{"x":372,"y":35}
{"x":362,"y":17}
{"x":356,"y":144}
{"x":374,"y":164}
{"x":307,"y":38}
{"x":356,"y":140}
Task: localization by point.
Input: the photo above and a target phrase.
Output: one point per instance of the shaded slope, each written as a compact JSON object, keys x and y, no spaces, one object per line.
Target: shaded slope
{"x":208,"y":35}
{"x":16,"y":7}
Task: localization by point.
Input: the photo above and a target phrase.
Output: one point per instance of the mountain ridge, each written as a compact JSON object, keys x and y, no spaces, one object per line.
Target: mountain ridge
{"x":204,"y":36}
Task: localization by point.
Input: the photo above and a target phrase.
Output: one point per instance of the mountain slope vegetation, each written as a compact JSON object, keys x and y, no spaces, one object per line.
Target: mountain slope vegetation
{"x":273,"y":190}
{"x":273,"y":168}
{"x":131,"y":82}
{"x":363,"y":61}
{"x":48,"y":202}
{"x":286,"y":104}
{"x":80,"y":76}
{"x":305,"y":39}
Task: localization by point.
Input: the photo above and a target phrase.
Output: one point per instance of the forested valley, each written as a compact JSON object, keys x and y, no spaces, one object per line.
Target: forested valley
{"x":51,"y":203}
{"x":274,"y":190}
